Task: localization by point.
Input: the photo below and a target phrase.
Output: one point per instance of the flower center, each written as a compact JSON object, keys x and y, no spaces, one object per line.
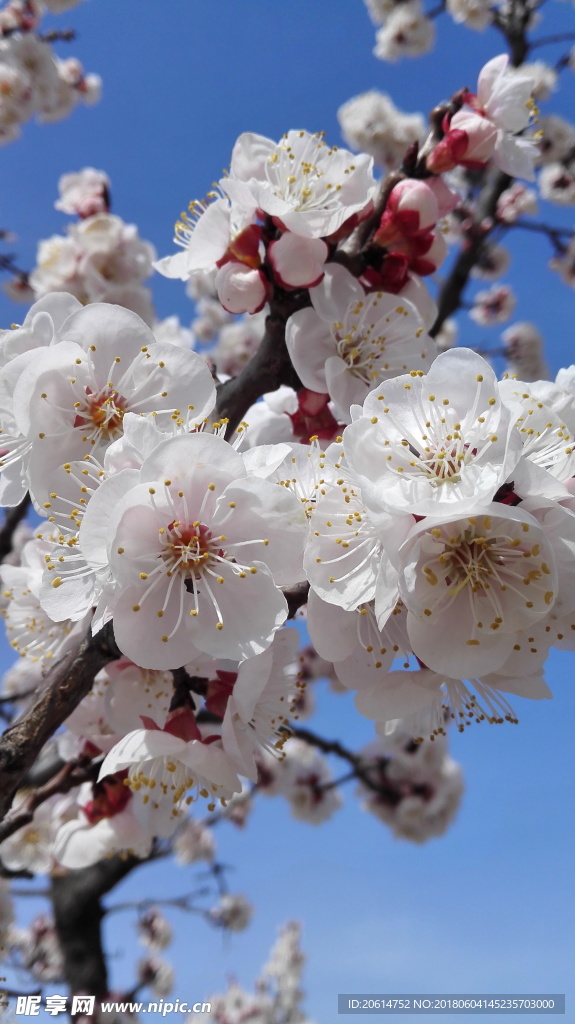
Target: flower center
{"x":189,"y":549}
{"x":102,"y":412}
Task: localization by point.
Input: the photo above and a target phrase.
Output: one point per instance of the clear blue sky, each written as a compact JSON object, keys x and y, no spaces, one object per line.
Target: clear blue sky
{"x":490,"y":906}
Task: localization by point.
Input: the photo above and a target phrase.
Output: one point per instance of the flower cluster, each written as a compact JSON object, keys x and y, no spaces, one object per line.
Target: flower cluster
{"x":278,"y":994}
{"x":33,"y":81}
{"x":289,"y":199}
{"x":99,"y":259}
{"x":422,"y":509}
{"x":415,"y":788}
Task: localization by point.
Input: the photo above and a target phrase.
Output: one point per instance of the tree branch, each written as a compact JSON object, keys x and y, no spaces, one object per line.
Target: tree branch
{"x":65,"y":686}
{"x":78,"y":913}
{"x":560,"y":37}
{"x":360,"y":768}
{"x":268,"y":368}
{"x":73,"y":773}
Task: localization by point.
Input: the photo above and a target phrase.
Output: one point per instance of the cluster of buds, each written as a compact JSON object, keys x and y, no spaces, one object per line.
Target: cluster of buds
{"x":408,"y":228}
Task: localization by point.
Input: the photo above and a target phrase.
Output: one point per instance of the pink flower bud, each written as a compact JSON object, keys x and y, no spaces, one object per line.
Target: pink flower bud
{"x":411,"y":208}
{"x":393,"y":272}
{"x":240,"y":289}
{"x":428,"y":262}
{"x":449,"y":152}
{"x":297,"y":262}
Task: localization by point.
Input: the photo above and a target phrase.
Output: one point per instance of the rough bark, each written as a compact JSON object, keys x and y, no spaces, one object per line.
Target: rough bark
{"x":64,"y":687}
{"x":78,"y":913}
{"x":268,"y":368}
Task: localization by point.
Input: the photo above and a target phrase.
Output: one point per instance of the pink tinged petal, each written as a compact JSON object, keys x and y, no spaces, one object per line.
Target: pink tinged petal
{"x":101,"y":514}
{"x":253,"y":676}
{"x":79,"y":844}
{"x":251,"y":608}
{"x":175,"y":266}
{"x":516,"y":156}
{"x":298,"y":262}
{"x":398,"y":694}
{"x":481,"y":135}
{"x":237,"y":744}
{"x":446,"y":199}
{"x":337,"y":292}
{"x":464,"y":655}
{"x":332,"y":630}
{"x":532,"y":686}
{"x":172,"y":378}
{"x":140,"y":745}
{"x":213,"y":764}
{"x":344,"y":387}
{"x":151,"y":639}
{"x":309,"y":342}
{"x":274,"y":519}
{"x":250,"y":155}
{"x":179,"y":458}
{"x":112,"y":330}
{"x":240,"y":289}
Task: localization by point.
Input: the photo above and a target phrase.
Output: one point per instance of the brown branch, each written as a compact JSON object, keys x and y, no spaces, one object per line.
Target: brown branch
{"x":358,"y":764}
{"x":66,"y":35}
{"x":64,"y":687}
{"x":78,"y":913}
{"x":554,"y":234}
{"x":268,"y":368}
{"x":72,"y":774}
{"x":12,"y":520}
{"x":296,"y":597}
{"x":560,"y":37}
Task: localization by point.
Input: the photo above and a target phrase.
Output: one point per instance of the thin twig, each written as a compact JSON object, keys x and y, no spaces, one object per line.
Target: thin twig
{"x":560,"y":37}
{"x":74,"y":773}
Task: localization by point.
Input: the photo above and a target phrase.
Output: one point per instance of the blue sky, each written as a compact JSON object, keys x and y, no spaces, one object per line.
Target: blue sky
{"x":490,"y":906}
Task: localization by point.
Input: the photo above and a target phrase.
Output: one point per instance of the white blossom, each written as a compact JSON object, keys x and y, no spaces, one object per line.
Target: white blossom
{"x":406,"y":33}
{"x":349,"y":341}
{"x":372,"y":123}
{"x":233,"y":912}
